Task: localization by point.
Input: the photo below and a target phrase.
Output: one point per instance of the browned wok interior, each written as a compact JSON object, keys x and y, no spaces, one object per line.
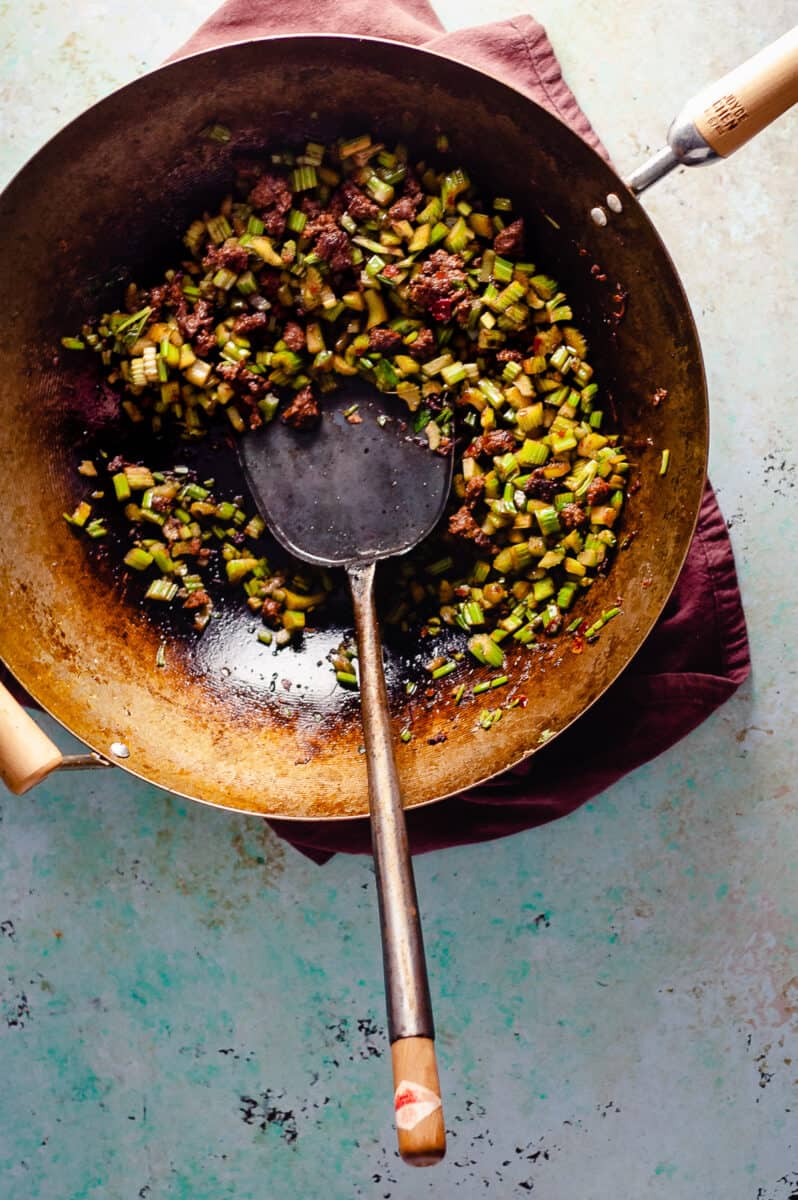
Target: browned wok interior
{"x":103,"y":202}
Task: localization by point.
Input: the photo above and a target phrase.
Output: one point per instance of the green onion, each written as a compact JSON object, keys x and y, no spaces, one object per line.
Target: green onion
{"x":666,"y":458}
{"x":445,"y":669}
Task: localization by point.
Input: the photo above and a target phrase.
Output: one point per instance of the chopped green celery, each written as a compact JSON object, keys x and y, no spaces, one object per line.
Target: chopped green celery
{"x":458,"y":237}
{"x":503,"y":271}
{"x":492,"y":393}
{"x":382,"y":192}
{"x":548,"y":521}
{"x":485,"y":650}
{"x":161,"y":589}
{"x":303,"y":179}
{"x":454,"y":184}
{"x":138,"y":558}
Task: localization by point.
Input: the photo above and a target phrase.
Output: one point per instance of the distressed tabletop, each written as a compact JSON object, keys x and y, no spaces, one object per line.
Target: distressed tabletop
{"x":190,"y":1009}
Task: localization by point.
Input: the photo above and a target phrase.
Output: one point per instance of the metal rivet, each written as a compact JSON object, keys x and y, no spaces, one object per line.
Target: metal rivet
{"x":119,"y":750}
{"x":614,"y":202}
{"x":598,"y":216}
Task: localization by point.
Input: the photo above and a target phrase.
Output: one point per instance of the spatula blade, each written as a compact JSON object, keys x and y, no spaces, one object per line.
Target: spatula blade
{"x":358,"y":488}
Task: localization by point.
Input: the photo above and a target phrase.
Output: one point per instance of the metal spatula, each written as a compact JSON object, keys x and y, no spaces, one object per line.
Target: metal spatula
{"x":358,"y":489}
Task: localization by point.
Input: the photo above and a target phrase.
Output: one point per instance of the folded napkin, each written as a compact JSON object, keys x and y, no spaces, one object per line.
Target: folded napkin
{"x":696,"y":656}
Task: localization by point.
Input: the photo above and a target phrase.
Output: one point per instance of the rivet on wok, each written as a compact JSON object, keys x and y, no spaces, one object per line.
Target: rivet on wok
{"x":614,"y":202}
{"x":119,"y":750}
{"x":598,"y":216}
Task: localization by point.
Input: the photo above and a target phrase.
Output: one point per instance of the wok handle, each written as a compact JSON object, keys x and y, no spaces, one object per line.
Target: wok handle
{"x":417,"y":1096}
{"x":730,"y":112}
{"x":27,"y":756}
{"x":726,"y":114}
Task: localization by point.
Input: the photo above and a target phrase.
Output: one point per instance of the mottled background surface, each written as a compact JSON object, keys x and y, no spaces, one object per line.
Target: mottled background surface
{"x":190,"y":1009}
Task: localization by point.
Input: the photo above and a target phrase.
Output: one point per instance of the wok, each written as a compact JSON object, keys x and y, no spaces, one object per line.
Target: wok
{"x":227,"y":721}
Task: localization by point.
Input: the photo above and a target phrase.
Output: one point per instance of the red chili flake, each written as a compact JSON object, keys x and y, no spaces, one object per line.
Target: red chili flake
{"x":619,"y":297}
{"x":577,"y":643}
{"x":659,"y":395}
{"x":441,"y":308}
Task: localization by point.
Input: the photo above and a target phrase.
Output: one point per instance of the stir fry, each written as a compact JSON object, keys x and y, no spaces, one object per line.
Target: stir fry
{"x":346,"y":260}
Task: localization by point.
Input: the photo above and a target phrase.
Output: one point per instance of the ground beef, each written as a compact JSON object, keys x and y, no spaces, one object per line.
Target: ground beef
{"x":318,"y":222}
{"x":439,"y":285}
{"x":573,"y":516}
{"x":334,"y":247}
{"x":474,"y":490}
{"x":424,"y":347}
{"x":505,"y":356}
{"x":198,"y":325}
{"x":384,"y":341}
{"x":271,"y":192}
{"x":271,"y":199}
{"x":196,"y":599}
{"x":249,"y":322}
{"x":541,"y":488}
{"x":511,"y":239}
{"x":358,"y":205}
{"x":270,"y":611}
{"x":303,"y":412}
{"x":462,"y":524}
{"x":229,"y":255}
{"x":269,"y":282}
{"x":169,"y":295}
{"x":403,"y":210}
{"x":248,"y":386}
{"x":294,"y":336}
{"x":498,"y":441}
{"x":410,"y":202}
{"x":599,"y":492}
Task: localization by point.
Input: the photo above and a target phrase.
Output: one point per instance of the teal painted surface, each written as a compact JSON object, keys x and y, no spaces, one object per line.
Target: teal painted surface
{"x":189,"y":1010}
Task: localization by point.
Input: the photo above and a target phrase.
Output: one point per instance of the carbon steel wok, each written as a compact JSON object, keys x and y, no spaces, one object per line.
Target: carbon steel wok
{"x":227,"y":721}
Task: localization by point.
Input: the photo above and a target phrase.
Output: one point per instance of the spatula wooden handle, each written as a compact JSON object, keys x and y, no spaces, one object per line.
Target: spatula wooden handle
{"x":27,"y":756}
{"x":732,"y":110}
{"x":417,"y":1101}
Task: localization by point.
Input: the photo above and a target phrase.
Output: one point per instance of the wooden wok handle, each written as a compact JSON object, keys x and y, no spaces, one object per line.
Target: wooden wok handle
{"x":27,"y":756}
{"x":729,"y":112}
{"x":417,"y":1102}
{"x":725,"y":115}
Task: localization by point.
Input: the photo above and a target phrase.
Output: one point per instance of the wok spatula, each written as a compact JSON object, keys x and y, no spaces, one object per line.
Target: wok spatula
{"x":358,"y":489}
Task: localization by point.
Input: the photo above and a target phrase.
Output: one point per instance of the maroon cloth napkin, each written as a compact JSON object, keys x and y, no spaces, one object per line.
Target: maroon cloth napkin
{"x":697,"y":654}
